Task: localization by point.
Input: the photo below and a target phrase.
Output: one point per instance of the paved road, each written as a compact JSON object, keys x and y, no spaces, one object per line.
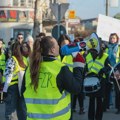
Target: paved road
{"x":107,"y":115}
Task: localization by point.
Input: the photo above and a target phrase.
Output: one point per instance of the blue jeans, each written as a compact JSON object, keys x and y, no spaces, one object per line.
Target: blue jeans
{"x":15,"y":108}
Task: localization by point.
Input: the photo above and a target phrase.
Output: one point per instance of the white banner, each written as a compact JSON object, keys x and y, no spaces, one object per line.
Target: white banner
{"x":106,"y":26}
{"x":114,"y":3}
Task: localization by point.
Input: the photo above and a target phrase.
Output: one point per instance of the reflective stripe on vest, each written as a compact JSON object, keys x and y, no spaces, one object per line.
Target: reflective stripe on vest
{"x":47,"y":102}
{"x":97,"y":65}
{"x":50,"y":116}
{"x":44,"y":101}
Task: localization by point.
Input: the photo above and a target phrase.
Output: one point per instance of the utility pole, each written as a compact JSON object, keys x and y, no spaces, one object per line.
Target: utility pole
{"x":107,"y":8}
{"x":37,"y":18}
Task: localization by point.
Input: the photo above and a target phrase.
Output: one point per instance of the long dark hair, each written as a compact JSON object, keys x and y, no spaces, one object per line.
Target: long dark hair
{"x":16,"y":51}
{"x":41,"y":48}
{"x":24,"y":45}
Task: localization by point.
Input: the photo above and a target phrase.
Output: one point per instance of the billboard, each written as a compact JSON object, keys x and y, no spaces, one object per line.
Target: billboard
{"x":106,"y":26}
{"x":12,"y":15}
{"x":30,"y":16}
{"x":22,"y":16}
{"x":16,"y":16}
{"x":3,"y":15}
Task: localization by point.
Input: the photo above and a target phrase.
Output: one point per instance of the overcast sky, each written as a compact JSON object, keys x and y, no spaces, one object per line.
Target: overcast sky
{"x":86,"y":9}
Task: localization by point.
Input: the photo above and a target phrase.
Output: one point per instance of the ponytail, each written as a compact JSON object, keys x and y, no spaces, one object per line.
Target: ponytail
{"x":41,"y":48}
{"x":35,"y":63}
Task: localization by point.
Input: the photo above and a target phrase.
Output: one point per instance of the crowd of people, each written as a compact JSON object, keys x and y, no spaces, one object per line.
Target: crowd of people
{"x":39,"y":83}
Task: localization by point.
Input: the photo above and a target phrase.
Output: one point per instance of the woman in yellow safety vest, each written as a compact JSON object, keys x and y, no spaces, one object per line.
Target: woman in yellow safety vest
{"x":68,"y":59}
{"x":14,"y":104}
{"x":26,"y":51}
{"x":2,"y":68}
{"x":48,"y":82}
{"x":2,"y":60}
{"x":97,"y":66}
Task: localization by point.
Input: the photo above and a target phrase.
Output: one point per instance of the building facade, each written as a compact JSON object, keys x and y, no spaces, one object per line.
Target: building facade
{"x":16,"y":16}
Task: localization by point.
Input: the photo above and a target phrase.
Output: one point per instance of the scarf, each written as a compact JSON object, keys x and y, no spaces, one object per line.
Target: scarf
{"x":112,"y":51}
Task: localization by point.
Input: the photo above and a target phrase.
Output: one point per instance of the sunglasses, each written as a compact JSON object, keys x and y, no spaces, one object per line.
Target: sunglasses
{"x":20,"y":37}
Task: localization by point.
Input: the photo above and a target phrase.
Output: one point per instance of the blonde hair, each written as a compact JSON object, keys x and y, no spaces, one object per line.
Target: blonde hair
{"x":29,"y":38}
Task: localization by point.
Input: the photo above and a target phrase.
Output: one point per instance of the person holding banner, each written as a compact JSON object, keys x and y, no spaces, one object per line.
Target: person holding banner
{"x":113,"y":51}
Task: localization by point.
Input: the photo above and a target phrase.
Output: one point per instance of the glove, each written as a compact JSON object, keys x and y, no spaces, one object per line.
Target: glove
{"x":117,"y":75}
{"x":78,"y":60}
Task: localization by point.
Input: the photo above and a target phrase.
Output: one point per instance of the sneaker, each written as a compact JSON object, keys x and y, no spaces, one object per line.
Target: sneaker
{"x":108,"y":109}
{"x":73,"y":110}
{"x":81,"y":111}
{"x":118,"y":112}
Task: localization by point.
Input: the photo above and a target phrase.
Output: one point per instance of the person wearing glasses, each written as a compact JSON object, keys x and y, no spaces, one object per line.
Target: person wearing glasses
{"x":20,"y":37}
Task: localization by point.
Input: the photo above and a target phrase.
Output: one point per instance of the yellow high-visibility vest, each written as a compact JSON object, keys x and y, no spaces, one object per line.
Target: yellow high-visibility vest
{"x":15,"y":72}
{"x":68,"y":60}
{"x":2,"y":62}
{"x":95,"y":65}
{"x":47,"y":103}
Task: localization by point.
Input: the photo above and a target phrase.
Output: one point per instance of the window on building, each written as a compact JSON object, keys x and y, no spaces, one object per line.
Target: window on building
{"x":15,"y":2}
{"x":30,"y":3}
{"x":23,"y":2}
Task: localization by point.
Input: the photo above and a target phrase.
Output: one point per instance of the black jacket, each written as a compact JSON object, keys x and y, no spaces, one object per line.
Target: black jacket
{"x":66,"y":80}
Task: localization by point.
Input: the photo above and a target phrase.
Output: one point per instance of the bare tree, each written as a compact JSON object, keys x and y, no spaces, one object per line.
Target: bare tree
{"x":36,"y":27}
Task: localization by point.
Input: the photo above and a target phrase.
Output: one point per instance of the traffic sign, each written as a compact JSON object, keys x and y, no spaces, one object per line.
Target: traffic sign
{"x":72,"y":14}
{"x":56,"y":32}
{"x":54,"y":8}
{"x":59,"y":10}
{"x":63,"y":9}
